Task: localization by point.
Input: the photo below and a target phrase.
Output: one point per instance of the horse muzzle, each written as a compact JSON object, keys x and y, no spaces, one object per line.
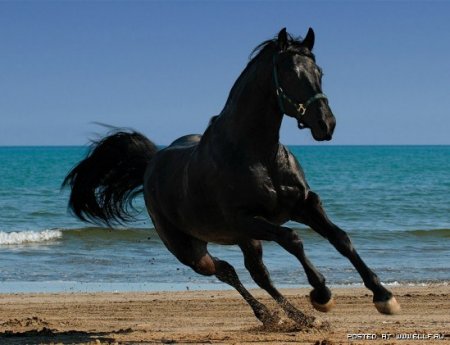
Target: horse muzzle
{"x":321,"y":129}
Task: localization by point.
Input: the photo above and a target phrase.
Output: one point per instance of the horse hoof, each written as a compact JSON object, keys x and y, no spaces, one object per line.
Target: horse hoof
{"x":272,"y":322}
{"x":325,"y":307}
{"x":269,"y":319}
{"x":321,"y":325}
{"x":390,"y":307}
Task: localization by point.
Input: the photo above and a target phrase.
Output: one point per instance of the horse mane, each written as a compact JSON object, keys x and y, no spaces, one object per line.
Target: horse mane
{"x":294,"y":44}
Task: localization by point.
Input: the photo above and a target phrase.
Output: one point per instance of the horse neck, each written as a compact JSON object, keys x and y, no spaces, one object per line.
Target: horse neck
{"x":251,"y":119}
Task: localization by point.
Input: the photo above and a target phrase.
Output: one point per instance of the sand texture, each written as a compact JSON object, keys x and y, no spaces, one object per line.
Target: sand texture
{"x":217,"y":317}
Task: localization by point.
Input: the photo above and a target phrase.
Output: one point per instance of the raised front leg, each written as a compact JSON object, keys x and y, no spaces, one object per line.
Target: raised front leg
{"x":312,"y":214}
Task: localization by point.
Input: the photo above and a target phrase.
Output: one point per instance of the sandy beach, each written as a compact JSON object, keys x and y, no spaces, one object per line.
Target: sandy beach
{"x":218,"y":317}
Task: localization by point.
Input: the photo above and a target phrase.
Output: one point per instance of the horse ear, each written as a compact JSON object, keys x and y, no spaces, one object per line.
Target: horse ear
{"x":282,"y":39}
{"x":308,"y":42}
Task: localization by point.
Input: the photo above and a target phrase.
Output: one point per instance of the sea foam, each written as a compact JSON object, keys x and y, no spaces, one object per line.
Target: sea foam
{"x":23,"y":237}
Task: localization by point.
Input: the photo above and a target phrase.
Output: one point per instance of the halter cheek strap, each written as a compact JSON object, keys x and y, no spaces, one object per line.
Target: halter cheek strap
{"x":300,"y":108}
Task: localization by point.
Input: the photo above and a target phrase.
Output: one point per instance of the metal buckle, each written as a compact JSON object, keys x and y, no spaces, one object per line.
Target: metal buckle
{"x":301,"y":109}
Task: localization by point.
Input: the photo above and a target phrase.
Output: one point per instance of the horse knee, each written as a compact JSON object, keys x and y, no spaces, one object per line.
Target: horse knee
{"x":310,"y":208}
{"x":292,"y":242}
{"x":313,"y":199}
{"x":293,"y":238}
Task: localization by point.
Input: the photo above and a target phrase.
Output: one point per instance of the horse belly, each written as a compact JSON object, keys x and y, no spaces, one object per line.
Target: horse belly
{"x":202,"y":219}
{"x":215,"y":235}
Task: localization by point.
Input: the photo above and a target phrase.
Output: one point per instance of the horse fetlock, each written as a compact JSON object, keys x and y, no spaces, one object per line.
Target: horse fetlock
{"x":380,"y":293}
{"x":307,"y":321}
{"x":299,"y":317}
{"x":322,"y":299}
{"x":268,"y":318}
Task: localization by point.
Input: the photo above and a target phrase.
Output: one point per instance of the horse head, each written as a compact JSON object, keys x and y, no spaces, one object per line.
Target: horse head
{"x":298,"y":85}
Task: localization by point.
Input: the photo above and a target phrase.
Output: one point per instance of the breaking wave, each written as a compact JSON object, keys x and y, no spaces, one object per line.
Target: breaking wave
{"x":24,"y":237}
{"x":140,"y":234}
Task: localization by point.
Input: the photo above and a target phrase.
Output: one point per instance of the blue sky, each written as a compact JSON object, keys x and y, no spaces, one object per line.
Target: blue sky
{"x":164,"y":68}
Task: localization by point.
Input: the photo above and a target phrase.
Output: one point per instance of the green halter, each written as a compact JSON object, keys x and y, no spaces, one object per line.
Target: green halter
{"x":300,"y":108}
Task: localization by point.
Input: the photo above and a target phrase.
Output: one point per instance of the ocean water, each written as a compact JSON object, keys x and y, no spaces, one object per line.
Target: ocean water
{"x":394,"y":201}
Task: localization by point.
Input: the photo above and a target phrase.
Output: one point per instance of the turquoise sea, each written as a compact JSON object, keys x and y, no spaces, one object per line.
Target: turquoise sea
{"x":394,"y":201}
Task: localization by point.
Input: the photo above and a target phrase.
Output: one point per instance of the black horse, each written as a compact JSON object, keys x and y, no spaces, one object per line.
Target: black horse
{"x":234,"y":185}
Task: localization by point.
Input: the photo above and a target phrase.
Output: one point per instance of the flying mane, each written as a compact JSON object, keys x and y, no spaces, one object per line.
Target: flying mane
{"x":267,"y":49}
{"x":294,"y":44}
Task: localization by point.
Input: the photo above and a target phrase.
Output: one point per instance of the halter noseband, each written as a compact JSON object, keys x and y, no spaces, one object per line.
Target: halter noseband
{"x":300,"y":108}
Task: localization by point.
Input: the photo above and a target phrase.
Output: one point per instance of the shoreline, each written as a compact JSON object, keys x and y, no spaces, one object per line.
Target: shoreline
{"x":218,"y":317}
{"x":52,"y":287}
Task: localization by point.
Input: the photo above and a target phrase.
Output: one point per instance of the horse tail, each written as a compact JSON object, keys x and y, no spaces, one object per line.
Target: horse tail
{"x":104,"y":184}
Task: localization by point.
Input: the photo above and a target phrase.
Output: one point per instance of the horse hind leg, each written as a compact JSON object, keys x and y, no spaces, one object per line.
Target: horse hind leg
{"x":227,"y":274}
{"x":252,"y":251}
{"x":208,"y":265}
{"x":257,"y":228}
{"x":193,"y":253}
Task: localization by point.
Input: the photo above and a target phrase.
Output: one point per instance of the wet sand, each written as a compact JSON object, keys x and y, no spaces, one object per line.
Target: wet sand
{"x":218,"y":317}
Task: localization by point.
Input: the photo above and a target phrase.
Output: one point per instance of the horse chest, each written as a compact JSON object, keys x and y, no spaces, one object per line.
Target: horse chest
{"x":274,"y":194}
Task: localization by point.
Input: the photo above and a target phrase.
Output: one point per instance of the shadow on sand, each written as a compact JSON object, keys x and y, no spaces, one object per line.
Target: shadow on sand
{"x":47,"y":336}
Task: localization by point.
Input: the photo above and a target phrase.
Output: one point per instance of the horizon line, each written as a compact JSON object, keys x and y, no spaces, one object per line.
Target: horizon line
{"x":165,"y":145}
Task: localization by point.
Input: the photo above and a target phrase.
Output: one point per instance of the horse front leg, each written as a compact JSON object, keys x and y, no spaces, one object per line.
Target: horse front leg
{"x":312,"y":214}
